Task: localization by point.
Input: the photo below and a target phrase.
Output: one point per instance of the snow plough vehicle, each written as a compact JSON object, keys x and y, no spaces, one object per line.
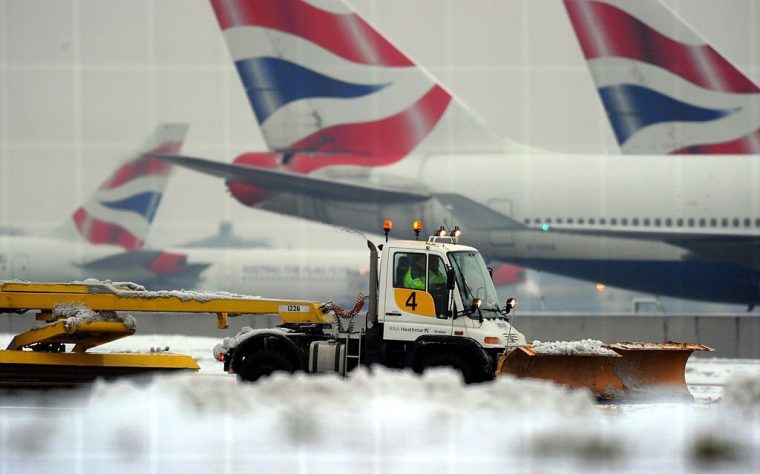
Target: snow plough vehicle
{"x":431,"y":303}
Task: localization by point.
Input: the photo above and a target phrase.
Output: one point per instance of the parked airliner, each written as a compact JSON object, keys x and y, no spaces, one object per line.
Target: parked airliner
{"x":104,"y":238}
{"x":357,"y":133}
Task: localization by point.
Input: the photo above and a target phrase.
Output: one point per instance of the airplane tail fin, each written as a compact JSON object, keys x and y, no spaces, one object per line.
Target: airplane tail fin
{"x":666,"y":91}
{"x":122,"y":209}
{"x":320,"y":79}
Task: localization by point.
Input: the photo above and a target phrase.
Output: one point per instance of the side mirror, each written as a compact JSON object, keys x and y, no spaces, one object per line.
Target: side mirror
{"x":490,"y":272}
{"x":451,"y":279}
{"x":476,"y":302}
{"x":511,"y":305}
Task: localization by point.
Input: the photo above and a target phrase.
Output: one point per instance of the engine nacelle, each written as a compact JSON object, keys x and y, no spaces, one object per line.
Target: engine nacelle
{"x":249,"y":194}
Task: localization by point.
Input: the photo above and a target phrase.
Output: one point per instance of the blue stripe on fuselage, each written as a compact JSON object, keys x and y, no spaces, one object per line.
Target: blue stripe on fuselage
{"x":271,"y":83}
{"x":702,"y":281}
{"x":631,"y":108}
{"x":145,"y":204}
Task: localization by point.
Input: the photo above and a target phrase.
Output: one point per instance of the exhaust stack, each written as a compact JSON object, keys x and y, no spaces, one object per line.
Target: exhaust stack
{"x":373,"y":284}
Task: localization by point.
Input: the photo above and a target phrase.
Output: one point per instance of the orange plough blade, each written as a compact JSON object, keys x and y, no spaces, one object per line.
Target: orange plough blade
{"x":626,"y":370}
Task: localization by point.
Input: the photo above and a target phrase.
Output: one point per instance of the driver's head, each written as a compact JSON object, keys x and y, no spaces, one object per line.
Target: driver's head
{"x":419,"y":262}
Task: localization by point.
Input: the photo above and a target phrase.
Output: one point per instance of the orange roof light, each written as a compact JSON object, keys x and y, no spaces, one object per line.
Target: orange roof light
{"x":387,"y":225}
{"x":417,"y":226}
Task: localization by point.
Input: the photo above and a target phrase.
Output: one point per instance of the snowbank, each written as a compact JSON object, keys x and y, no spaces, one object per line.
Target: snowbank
{"x":741,"y":394}
{"x":379,"y":421}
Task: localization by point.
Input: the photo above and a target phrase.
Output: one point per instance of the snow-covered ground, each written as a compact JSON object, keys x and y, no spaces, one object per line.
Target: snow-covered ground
{"x":384,"y":421}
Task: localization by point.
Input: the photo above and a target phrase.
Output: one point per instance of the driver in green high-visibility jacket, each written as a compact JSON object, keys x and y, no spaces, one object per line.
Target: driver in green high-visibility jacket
{"x":415,"y":276}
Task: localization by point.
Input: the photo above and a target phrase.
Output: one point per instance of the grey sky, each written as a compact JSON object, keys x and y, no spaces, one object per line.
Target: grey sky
{"x":83,"y":82}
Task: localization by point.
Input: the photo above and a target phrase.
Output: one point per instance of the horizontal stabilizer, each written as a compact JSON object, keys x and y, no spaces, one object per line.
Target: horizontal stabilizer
{"x":120,"y":260}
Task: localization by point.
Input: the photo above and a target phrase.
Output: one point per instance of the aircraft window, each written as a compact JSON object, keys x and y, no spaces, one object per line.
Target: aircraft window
{"x":580,"y":220}
{"x":591,"y":221}
{"x":570,"y":220}
{"x":548,"y":221}
{"x":691,"y":222}
{"x":646,"y":221}
{"x":602,"y":221}
{"x":713,"y":222}
{"x":527,"y":221}
{"x":613,"y":221}
{"x":657,"y":222}
{"x":724,"y":222}
{"x":747,"y":222}
{"x":679,"y":222}
{"x":635,"y":221}
{"x":623,"y":221}
{"x":559,"y":220}
{"x":702,"y":222}
{"x":736,"y":222}
{"x":536,"y":220}
{"x":757,"y":222}
{"x":668,"y":222}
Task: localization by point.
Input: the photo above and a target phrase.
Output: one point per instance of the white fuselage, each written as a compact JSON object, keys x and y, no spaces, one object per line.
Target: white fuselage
{"x":593,"y":190}
{"x":647,"y":223}
{"x":50,"y":259}
{"x":321,"y":275}
{"x":325,"y":275}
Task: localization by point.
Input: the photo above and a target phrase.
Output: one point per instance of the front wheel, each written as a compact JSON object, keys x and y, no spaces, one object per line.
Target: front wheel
{"x":263,"y":363}
{"x":456,"y":361}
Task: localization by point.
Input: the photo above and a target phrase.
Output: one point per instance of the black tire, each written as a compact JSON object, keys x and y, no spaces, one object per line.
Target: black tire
{"x":454,"y":360}
{"x":263,"y":363}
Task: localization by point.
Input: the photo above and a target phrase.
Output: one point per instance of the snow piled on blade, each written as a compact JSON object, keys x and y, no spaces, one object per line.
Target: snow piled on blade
{"x":76,"y":314}
{"x":584,"y":347}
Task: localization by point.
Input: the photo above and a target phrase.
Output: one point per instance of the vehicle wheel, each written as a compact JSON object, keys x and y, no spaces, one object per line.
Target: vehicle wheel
{"x":455,"y":361}
{"x":262,"y":363}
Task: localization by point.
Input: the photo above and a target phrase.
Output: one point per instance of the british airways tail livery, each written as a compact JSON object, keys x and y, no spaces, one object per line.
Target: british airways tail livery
{"x":666,"y":91}
{"x":320,"y":79}
{"x":122,"y":209}
{"x":105,"y":236}
{"x":358,"y":133}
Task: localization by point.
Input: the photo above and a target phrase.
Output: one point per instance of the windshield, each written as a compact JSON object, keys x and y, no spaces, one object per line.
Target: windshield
{"x":474,"y":281}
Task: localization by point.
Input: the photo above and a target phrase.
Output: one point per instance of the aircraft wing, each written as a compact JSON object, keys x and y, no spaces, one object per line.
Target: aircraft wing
{"x":295,"y":183}
{"x":153,"y":263}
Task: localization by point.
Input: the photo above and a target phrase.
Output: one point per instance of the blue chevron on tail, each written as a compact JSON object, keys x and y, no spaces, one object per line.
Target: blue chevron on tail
{"x":122,"y":209}
{"x":664,"y":89}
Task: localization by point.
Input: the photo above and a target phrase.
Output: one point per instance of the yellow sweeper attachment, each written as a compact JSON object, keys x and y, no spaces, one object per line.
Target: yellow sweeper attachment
{"x":37,"y":357}
{"x":626,"y":370}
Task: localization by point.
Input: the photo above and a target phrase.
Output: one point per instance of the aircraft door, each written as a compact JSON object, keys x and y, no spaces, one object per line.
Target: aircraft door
{"x":416,"y":298}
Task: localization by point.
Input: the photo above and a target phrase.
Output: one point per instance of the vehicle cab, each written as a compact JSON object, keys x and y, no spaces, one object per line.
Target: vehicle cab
{"x":440,"y":288}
